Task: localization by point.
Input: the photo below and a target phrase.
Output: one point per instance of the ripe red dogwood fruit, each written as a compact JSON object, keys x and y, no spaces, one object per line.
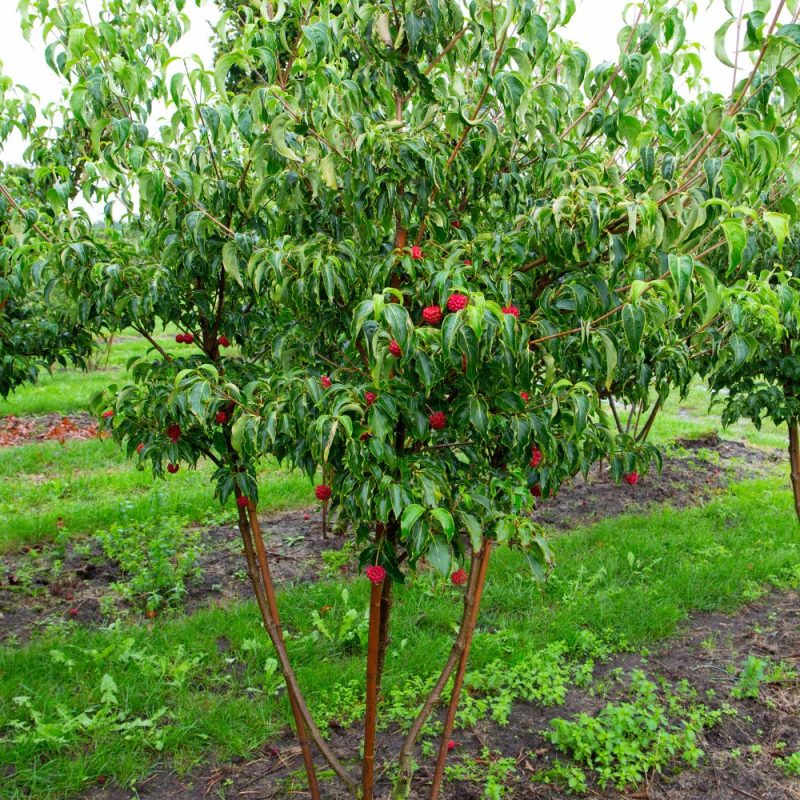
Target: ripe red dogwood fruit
{"x":455,"y":224}
{"x":108,"y":414}
{"x":140,"y":447}
{"x":459,"y":577}
{"x":632,"y":478}
{"x":432,"y":315}
{"x":221,"y":417}
{"x":536,"y":490}
{"x":394,"y":348}
{"x":222,"y":341}
{"x":370,"y":398}
{"x":179,"y":338}
{"x":173,"y":468}
{"x":326,"y":382}
{"x":323,"y":492}
{"x":73,"y":612}
{"x":416,"y":252}
{"x":241,"y":501}
{"x":438,"y":420}
{"x":451,"y":745}
{"x":512,"y":310}
{"x":537,"y":456}
{"x":525,"y":396}
{"x":468,"y":262}
{"x":174,"y":432}
{"x":376,"y":574}
{"x":188,"y":338}
{"x":457,"y":302}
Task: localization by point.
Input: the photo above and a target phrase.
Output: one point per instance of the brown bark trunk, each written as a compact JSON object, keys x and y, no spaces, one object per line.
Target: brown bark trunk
{"x":403,"y":782}
{"x":258,"y":568}
{"x":383,"y":631}
{"x":450,"y":719}
{"x":794,"y":460}
{"x":371,"y":713}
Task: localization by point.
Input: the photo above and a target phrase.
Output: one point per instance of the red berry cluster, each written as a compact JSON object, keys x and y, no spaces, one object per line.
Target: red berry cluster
{"x":459,"y":577}
{"x":323,"y":492}
{"x":525,"y":396}
{"x":221,"y":417}
{"x":416,"y":252}
{"x":376,"y":575}
{"x":174,"y":432}
{"x":438,"y":420}
{"x":108,"y":414}
{"x":632,"y":478}
{"x":455,"y":224}
{"x":242,"y":501}
{"x":326,"y":382}
{"x":432,"y":315}
{"x":537,"y":456}
{"x":184,"y":338}
{"x":222,"y":341}
{"x":456,"y":302}
{"x":173,"y":468}
{"x":140,"y":447}
{"x":512,"y":310}
{"x":370,"y":398}
{"x":394,"y":348}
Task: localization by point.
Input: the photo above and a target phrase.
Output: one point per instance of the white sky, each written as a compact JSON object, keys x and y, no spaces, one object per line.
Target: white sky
{"x":594,"y":27}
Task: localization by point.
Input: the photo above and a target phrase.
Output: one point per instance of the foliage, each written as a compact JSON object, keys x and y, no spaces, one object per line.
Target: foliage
{"x":757,"y":671}
{"x":790,"y":764}
{"x":158,"y":559}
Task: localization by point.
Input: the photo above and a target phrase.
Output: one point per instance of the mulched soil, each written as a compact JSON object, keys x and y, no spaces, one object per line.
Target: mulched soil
{"x":16,"y":431}
{"x":769,"y":628}
{"x":32,"y":595}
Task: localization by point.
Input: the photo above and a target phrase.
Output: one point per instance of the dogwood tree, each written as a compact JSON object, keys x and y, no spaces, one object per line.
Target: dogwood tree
{"x":404,"y":244}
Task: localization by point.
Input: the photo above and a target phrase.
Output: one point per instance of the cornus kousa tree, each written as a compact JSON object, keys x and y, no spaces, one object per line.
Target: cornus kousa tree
{"x":407,"y":247}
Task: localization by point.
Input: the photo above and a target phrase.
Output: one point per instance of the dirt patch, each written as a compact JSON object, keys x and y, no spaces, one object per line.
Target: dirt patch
{"x":44,"y":585}
{"x":694,"y":470}
{"x":739,"y":751}
{"x":16,"y":431}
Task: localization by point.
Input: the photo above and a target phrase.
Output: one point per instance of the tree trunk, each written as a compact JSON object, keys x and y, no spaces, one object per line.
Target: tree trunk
{"x":794,"y":460}
{"x":450,"y":719}
{"x":371,"y":713}
{"x":258,"y":568}
{"x":402,"y":785}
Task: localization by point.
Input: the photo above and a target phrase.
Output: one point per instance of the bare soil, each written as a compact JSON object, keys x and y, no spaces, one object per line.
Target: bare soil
{"x":712,"y":643}
{"x":34,"y":595}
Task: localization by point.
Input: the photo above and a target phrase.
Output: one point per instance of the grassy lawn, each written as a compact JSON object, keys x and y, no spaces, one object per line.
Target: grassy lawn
{"x":201,"y":683}
{"x":78,"y":703}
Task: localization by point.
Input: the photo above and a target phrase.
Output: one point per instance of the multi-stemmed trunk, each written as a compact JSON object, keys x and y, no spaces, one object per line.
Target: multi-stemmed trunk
{"x":794,"y":460}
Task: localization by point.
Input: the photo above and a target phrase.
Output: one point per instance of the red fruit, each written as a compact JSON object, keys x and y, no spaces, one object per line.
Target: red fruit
{"x":376,"y":575}
{"x":306,"y":516}
{"x":140,"y":447}
{"x":432,"y":315}
{"x":468,"y":262}
{"x":537,"y":456}
{"x":73,"y":612}
{"x":451,"y":745}
{"x":221,"y":417}
{"x":101,"y":779}
{"x":180,"y":338}
{"x":188,"y":338}
{"x":455,"y":224}
{"x":242,"y":501}
{"x":632,"y":478}
{"x":459,"y":577}
{"x":370,"y":398}
{"x":525,"y":396}
{"x":174,"y":432}
{"x":69,"y":596}
{"x":173,"y":468}
{"x":394,"y":348}
{"x":536,"y":490}
{"x":323,"y":492}
{"x":416,"y":252}
{"x":222,"y":341}
{"x":326,"y":382}
{"x":108,"y":414}
{"x":366,"y":436}
{"x":457,"y":302}
{"x":438,"y":420}
{"x":512,"y":310}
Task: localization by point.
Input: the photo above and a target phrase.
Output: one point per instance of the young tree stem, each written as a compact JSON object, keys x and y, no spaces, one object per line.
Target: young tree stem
{"x":371,"y":714}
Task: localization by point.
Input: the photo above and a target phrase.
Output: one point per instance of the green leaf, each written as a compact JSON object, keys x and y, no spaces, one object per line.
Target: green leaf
{"x":439,"y":556}
{"x":719,"y":43}
{"x":633,"y":326}
{"x":445,"y":520}
{"x":478,"y":414}
{"x":230,"y":260}
{"x":779,"y":223}
{"x":681,"y":268}
{"x":277,"y":132}
{"x":410,"y":516}
{"x":611,"y":357}
{"x":328,"y":172}
{"x":736,"y":234}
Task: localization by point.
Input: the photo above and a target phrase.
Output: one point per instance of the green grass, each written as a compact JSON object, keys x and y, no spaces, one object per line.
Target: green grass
{"x":637,"y":577}
{"x":88,"y":485}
